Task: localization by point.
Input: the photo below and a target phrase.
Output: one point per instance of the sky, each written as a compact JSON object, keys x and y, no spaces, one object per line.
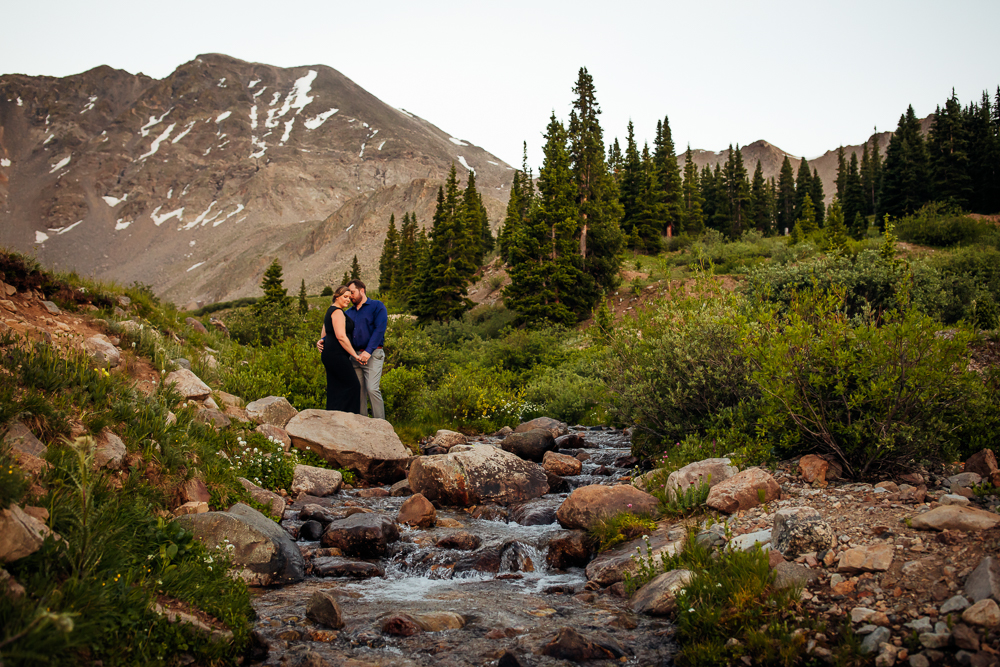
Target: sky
{"x":805,"y":76}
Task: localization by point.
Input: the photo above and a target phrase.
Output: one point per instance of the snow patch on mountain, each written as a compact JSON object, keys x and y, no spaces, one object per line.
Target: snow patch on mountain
{"x":315,"y":122}
{"x":40,"y":237}
{"x":90,"y":104}
{"x":160,"y":219}
{"x":253,"y":117}
{"x":120,"y":225}
{"x":156,"y":142}
{"x":223,"y":116}
{"x":114,"y":201}
{"x":457,"y":142}
{"x":153,"y":122}
{"x":195,"y":267}
{"x":253,"y":83}
{"x":197,"y":221}
{"x":4,"y":162}
{"x":184,"y":132}
{"x":465,"y":164}
{"x":288,"y":131}
{"x":59,"y":165}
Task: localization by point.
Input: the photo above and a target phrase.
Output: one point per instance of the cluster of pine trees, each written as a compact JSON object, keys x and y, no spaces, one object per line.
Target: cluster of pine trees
{"x":563,"y":235}
{"x":431,"y":274}
{"x":958,"y":163}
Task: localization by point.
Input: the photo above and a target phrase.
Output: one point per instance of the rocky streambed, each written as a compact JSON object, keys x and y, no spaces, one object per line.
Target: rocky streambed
{"x":480,"y":585}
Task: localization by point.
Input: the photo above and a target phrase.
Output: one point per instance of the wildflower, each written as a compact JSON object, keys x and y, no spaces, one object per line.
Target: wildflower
{"x":691,"y":610}
{"x":630,"y":505}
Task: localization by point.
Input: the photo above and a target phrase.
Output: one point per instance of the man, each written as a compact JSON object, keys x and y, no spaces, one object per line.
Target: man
{"x":370,"y":319}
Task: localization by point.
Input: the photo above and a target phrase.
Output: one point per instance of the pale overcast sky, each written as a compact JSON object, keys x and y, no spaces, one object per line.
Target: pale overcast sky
{"x":805,"y":76}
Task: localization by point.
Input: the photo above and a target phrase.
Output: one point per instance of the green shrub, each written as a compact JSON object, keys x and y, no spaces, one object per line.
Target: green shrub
{"x":942,"y":226}
{"x":265,"y":323}
{"x":477,"y":398}
{"x":263,"y":461}
{"x":677,"y":370}
{"x":564,"y":394}
{"x":880,"y":394}
{"x":403,"y":390}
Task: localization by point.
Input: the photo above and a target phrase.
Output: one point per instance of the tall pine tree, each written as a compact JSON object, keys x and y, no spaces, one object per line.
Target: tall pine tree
{"x":599,"y":237}
{"x":786,"y":197}
{"x":906,"y":171}
{"x":387,"y":260}
{"x":693,"y":216}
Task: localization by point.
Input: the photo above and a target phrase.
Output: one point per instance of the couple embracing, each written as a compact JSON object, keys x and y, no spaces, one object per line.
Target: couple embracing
{"x":352,"y":378}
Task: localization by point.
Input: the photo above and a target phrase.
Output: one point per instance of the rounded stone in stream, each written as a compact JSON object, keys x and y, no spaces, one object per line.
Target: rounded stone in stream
{"x":570,"y":548}
{"x":528,"y":514}
{"x":323,"y":608}
{"x":553,"y":426}
{"x":479,"y":475}
{"x":461,"y":541}
{"x":589,"y":504}
{"x":362,"y":535}
{"x":265,"y":552}
{"x":417,"y":511}
{"x":311,"y":531}
{"x":529,"y":445}
{"x":332,"y":566}
{"x":570,"y":441}
{"x":571,"y":645}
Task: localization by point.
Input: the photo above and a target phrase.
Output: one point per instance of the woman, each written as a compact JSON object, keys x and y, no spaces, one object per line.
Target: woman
{"x":343,"y":390}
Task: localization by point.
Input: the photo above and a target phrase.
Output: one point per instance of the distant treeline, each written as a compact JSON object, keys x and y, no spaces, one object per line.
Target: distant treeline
{"x":223,"y":305}
{"x":563,"y":235}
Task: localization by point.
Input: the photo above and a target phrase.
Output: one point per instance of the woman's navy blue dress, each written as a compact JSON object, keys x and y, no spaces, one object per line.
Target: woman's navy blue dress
{"x":343,"y":391}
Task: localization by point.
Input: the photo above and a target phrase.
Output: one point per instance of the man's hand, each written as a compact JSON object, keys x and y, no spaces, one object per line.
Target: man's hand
{"x":319,"y":345}
{"x":365,"y":357}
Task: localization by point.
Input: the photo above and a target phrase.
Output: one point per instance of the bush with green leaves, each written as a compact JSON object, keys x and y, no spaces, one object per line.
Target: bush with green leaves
{"x":265,"y":323}
{"x":621,"y":527}
{"x":402,"y":390}
{"x":263,"y":461}
{"x":567,"y":393}
{"x":92,"y":591}
{"x":880,"y":392}
{"x":942,"y":226}
{"x":678,"y":369}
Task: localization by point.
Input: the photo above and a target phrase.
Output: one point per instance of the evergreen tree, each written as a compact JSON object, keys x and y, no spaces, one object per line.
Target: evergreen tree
{"x":274,"y":290}
{"x":615,"y":161}
{"x":693,"y":218}
{"x":441,"y":293}
{"x":984,"y":156}
{"x":854,"y":196}
{"x":346,"y":279}
{"x":547,"y":278}
{"x":905,"y":173}
{"x":841,"y":172}
{"x":836,"y":231}
{"x":387,"y":261}
{"x":405,"y":271}
{"x":816,"y":192}
{"x":718,"y":218}
{"x":806,"y":221}
{"x":875,"y":195}
{"x":760,"y":208}
{"x":303,"y":303}
{"x":803,"y":187}
{"x":867,"y":176}
{"x":355,"y":269}
{"x":786,"y":197}
{"x":632,"y":179}
{"x":737,"y":192}
{"x":948,"y":153}
{"x":599,"y":237}
{"x":474,"y":220}
{"x":668,"y":177}
{"x":648,"y":212}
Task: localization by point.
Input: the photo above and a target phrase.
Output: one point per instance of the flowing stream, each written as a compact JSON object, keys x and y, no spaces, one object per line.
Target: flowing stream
{"x":517,"y":605}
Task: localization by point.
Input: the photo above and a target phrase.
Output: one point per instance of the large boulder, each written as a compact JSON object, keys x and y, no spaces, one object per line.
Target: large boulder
{"x":659,"y":596}
{"x":610,"y":566}
{"x":23,"y":441}
{"x":743,"y":491}
{"x":553,"y":426}
{"x":362,"y":535}
{"x":313,"y":481}
{"x":20,"y":534}
{"x":476,"y":476}
{"x":712,"y":471}
{"x":955,"y":517}
{"x":800,"y":530}
{"x":370,"y":447}
{"x":529,"y":445}
{"x":188,"y":385}
{"x":274,"y":410}
{"x":264,"y":553}
{"x":101,"y":351}
{"x":448,"y":439}
{"x":571,"y":548}
{"x":589,"y":504}
{"x":561,"y":464}
{"x":264,"y":497}
{"x":417,"y":511}
{"x":983,"y":463}
{"x":110,"y":452}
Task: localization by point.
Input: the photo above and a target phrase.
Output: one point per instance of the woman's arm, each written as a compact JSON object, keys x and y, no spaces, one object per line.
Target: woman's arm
{"x":340,"y":332}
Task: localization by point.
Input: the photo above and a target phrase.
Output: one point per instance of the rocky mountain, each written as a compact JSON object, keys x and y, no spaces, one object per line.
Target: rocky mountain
{"x":194,"y":183}
{"x":771,"y":157}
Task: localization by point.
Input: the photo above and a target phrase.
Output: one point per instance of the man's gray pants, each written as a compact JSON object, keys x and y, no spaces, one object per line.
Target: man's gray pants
{"x":370,"y":377}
